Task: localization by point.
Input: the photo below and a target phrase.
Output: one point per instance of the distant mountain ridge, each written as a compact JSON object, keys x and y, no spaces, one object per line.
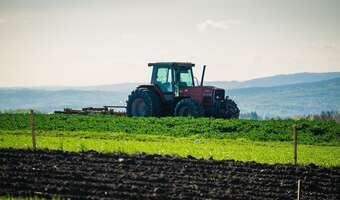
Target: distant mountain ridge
{"x":270,"y":81}
{"x":301,"y":94}
{"x":289,"y":100}
{"x":277,"y":80}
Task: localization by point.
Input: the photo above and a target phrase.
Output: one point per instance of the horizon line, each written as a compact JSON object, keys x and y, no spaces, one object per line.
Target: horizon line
{"x":122,"y":83}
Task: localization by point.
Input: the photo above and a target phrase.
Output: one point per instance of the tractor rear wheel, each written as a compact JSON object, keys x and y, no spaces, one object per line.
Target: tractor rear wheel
{"x":143,"y":102}
{"x":188,"y":107}
{"x":232,"y":111}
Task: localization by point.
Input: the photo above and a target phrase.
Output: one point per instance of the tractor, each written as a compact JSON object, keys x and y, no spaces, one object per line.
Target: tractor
{"x":173,"y":92}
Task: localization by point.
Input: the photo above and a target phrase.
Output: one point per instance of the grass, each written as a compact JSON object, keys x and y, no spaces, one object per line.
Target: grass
{"x":244,"y":140}
{"x":309,"y":132}
{"x":194,"y":145}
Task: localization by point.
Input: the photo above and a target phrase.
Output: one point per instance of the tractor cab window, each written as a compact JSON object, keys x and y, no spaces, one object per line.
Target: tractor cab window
{"x":184,"y":77}
{"x":164,"y":79}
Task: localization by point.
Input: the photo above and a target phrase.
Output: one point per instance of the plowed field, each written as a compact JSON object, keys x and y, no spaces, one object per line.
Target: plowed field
{"x":120,"y":176}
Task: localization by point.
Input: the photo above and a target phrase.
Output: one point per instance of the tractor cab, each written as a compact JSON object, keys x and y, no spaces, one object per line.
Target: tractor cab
{"x":170,"y":77}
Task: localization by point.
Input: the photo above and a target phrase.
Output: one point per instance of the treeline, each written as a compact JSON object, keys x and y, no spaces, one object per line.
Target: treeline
{"x":323,"y":116}
{"x":251,"y":115}
{"x":18,"y":111}
{"x":326,"y":115}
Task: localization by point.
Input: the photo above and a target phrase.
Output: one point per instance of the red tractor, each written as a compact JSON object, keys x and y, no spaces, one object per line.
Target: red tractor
{"x":172,"y":92}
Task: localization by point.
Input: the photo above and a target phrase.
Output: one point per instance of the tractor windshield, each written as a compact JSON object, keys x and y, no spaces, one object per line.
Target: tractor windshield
{"x":164,"y":79}
{"x":184,"y":77}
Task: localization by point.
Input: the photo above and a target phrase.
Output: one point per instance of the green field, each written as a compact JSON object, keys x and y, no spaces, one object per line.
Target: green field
{"x":245,"y":140}
{"x":309,"y":132}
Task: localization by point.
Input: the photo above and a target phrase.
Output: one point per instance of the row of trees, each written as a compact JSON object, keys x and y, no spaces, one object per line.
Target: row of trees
{"x":251,"y":115}
{"x":326,"y":115}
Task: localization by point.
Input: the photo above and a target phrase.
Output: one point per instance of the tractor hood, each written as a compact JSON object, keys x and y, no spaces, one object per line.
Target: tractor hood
{"x":201,"y":92}
{"x":208,"y":90}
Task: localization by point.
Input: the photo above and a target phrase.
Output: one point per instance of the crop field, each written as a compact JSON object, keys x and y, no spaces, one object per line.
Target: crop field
{"x":98,"y":156}
{"x":310,"y":132}
{"x":219,"y":149}
{"x":121,"y":176}
{"x":244,"y":140}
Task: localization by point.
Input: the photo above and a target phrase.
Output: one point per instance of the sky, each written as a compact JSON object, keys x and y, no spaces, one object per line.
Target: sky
{"x":83,"y":42}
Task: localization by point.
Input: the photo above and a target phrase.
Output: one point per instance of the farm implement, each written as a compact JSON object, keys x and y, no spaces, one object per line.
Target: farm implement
{"x":105,"y":110}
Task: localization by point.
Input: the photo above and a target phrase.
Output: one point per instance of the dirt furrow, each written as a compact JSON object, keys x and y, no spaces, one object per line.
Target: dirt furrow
{"x":95,"y":175}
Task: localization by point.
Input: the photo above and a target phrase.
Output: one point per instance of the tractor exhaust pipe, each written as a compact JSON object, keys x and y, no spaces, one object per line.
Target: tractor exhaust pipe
{"x":202,"y":79}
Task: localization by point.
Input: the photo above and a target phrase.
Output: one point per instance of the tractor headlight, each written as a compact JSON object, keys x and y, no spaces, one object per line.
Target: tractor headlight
{"x":219,"y":94}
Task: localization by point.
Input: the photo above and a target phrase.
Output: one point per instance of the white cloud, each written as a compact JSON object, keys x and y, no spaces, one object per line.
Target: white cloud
{"x":2,"y":20}
{"x":217,"y":24}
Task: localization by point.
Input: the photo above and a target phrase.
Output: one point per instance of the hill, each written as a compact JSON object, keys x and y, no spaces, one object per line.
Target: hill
{"x":270,"y":81}
{"x":277,"y":80}
{"x":48,"y":100}
{"x":299,"y":95}
{"x":290,"y":100}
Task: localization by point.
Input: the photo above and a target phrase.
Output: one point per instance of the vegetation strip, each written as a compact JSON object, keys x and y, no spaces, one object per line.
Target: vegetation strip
{"x":239,"y":149}
{"x":309,"y":132}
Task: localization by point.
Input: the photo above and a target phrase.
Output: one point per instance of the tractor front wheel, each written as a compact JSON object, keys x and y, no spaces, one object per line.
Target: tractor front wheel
{"x":188,"y":107}
{"x":143,"y":103}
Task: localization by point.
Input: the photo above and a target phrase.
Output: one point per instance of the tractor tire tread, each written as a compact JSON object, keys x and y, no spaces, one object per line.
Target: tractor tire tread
{"x":195,"y":108}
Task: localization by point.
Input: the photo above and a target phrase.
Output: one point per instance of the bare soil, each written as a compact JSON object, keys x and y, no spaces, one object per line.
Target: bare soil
{"x":95,"y":175}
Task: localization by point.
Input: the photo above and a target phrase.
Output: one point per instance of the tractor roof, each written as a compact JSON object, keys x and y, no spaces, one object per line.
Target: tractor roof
{"x":169,"y":64}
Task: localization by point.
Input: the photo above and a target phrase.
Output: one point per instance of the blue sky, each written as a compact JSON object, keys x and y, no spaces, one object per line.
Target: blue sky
{"x":103,"y":42}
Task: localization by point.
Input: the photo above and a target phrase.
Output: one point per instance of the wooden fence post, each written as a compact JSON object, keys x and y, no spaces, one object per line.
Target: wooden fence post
{"x":299,"y":189}
{"x":294,"y":137}
{"x":33,"y":129}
